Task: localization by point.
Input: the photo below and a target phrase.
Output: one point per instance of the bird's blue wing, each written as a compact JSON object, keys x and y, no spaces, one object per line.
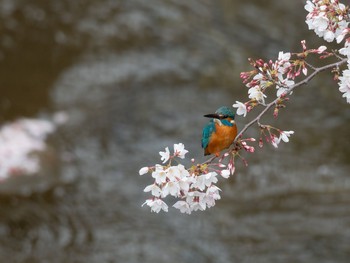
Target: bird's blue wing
{"x":226,"y":123}
{"x":207,"y":131}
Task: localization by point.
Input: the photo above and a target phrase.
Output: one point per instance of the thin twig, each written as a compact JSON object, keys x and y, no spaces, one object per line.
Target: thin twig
{"x":310,"y":66}
{"x":210,"y":160}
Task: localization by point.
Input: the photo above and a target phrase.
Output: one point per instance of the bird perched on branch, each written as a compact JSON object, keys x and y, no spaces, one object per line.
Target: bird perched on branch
{"x":220,"y":132}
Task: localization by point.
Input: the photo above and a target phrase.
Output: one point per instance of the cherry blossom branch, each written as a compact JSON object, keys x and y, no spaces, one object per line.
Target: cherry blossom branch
{"x":194,"y":187}
{"x":274,"y":102}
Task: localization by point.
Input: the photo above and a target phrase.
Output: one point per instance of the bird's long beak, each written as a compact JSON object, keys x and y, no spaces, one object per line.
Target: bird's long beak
{"x":212,"y":115}
{"x":215,"y":116}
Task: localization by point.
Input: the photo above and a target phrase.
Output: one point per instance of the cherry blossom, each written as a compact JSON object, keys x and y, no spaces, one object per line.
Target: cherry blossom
{"x":154,"y":188}
{"x":275,"y":141}
{"x":241,"y":108}
{"x":284,"y":135}
{"x":327,"y":18}
{"x":256,"y":94}
{"x":283,"y":56}
{"x":344,"y":83}
{"x":19,"y":141}
{"x":179,"y":150}
{"x":183,"y":206}
{"x":321,"y":49}
{"x":345,"y":51}
{"x":165,"y":155}
{"x":195,"y":188}
{"x":225,"y":173}
{"x":172,"y":188}
{"x":143,"y":170}
{"x":159,"y":174}
{"x":156,"y":205}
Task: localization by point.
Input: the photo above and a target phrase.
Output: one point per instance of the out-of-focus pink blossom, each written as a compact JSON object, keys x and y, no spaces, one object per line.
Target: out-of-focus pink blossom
{"x":18,"y":140}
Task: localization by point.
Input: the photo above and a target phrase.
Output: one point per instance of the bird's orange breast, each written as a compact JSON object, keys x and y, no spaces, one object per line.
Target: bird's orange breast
{"x":221,"y":139}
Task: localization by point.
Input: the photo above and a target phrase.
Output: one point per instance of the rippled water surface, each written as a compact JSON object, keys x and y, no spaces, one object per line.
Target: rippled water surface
{"x":135,"y":76}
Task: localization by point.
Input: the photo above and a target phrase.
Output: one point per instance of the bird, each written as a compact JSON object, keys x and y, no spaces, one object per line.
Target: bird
{"x":220,"y":132}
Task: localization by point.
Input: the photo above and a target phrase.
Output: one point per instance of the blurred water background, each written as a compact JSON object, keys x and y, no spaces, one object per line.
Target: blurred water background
{"x":136,"y":76}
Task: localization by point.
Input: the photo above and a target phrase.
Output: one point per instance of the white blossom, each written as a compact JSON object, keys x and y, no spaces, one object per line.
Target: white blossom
{"x":225,"y":173}
{"x":257,"y":94}
{"x":284,"y":85}
{"x":241,"y":108}
{"x":275,"y":141}
{"x":200,"y":182}
{"x":321,"y":49}
{"x":172,"y":188}
{"x":282,"y":64}
{"x":281,"y":90}
{"x":183,"y":207}
{"x":327,"y":21}
{"x":183,"y":173}
{"x":262,"y":81}
{"x":165,"y":155}
{"x":194,"y":191}
{"x":210,"y":178}
{"x":329,"y":36}
{"x":154,"y":189}
{"x":284,"y":135}
{"x":212,"y":194}
{"x":156,"y":205}
{"x":179,"y":150}
{"x":345,"y":51}
{"x":344,"y":83}
{"x":173,"y":172}
{"x":309,"y":6}
{"x":196,"y":201}
{"x":159,"y":174}
{"x":184,"y":185}
{"x":143,"y":170}
{"x":18,"y":141}
{"x":305,"y":71}
{"x":342,"y":31}
{"x":284,"y":56}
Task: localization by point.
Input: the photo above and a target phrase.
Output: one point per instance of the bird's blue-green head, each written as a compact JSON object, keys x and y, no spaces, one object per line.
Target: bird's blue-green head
{"x":222,"y":113}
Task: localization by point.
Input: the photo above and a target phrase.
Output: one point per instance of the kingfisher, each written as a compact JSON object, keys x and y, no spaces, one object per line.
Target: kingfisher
{"x":220,"y":132}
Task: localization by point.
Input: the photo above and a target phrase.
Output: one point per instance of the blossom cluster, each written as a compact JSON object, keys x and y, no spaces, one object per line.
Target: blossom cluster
{"x":280,"y":74}
{"x":344,"y":84}
{"x":18,"y":141}
{"x":330,"y":20}
{"x":21,"y":139}
{"x":266,"y":74}
{"x":195,"y":188}
{"x":273,"y":135}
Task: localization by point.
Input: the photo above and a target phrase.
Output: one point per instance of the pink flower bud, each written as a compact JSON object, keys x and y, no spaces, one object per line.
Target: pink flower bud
{"x":303,"y":44}
{"x":261,"y":144}
{"x":231,"y":167}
